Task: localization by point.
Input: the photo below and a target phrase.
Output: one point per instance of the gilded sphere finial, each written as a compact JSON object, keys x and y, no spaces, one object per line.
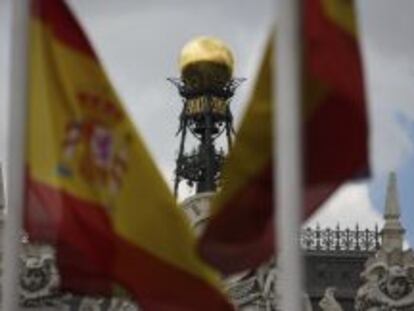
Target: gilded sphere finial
{"x":206,"y":62}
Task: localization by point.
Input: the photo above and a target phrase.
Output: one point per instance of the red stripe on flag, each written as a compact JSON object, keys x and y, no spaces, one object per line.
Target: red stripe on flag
{"x":331,"y":54}
{"x":81,"y":233}
{"x":241,"y":235}
{"x":90,"y":255}
{"x":336,"y":132}
{"x":336,"y":147}
{"x":159,"y":286}
{"x":59,"y":19}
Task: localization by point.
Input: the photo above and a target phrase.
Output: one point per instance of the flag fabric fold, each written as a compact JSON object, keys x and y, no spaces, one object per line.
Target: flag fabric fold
{"x":92,"y":190}
{"x":240,"y":233}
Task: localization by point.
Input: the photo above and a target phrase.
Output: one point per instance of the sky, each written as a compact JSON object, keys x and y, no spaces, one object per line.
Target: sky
{"x":139,"y":44}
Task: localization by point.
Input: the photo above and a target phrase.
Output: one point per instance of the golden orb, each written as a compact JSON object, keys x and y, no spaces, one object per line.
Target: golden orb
{"x":206,"y":62}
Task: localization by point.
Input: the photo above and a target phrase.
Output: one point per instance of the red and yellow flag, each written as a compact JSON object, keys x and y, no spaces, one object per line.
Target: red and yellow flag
{"x":92,"y":189}
{"x":240,"y":234}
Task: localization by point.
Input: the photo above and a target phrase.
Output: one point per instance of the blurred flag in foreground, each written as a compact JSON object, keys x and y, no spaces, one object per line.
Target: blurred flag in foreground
{"x":240,"y":234}
{"x":92,"y":189}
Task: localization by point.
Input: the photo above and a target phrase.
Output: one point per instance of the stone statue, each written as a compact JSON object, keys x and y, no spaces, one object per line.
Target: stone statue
{"x":328,"y":302}
{"x":267,"y":280}
{"x":387,"y":288}
{"x":122,"y":305}
{"x":90,"y":304}
{"x":389,"y":274}
{"x":307,"y":305}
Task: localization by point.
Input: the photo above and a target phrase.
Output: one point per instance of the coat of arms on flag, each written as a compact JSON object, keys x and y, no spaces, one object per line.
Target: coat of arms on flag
{"x":90,"y":147}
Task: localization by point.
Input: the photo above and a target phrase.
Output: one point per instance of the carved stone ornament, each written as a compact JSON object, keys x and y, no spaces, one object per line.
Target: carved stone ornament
{"x":328,"y":302}
{"x":39,"y":277}
{"x":386,"y":288}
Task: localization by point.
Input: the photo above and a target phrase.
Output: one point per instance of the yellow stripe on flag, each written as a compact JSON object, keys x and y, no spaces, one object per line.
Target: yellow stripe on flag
{"x":342,"y":12}
{"x":244,"y":161}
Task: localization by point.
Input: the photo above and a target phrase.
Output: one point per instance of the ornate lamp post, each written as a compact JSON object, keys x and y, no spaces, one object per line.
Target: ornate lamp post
{"x":206,"y":86}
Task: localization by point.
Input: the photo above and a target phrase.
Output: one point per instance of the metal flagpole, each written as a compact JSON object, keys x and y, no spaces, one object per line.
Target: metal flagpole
{"x":288,"y":151}
{"x":15,"y":153}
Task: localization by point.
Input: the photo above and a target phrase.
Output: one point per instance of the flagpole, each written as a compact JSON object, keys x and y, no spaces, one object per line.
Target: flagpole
{"x":288,"y":151}
{"x":15,"y":153}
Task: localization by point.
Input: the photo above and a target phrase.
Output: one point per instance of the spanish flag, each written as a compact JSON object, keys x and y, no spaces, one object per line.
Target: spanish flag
{"x":335,"y":135}
{"x":92,"y":189}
